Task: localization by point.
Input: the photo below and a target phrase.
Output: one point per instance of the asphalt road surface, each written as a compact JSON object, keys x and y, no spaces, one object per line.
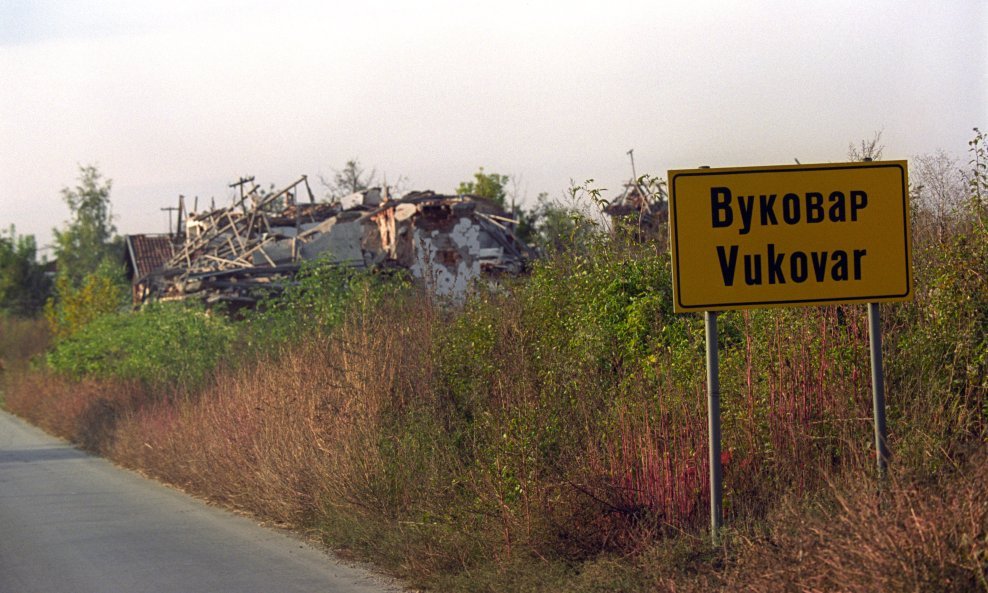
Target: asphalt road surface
{"x":74,"y":523}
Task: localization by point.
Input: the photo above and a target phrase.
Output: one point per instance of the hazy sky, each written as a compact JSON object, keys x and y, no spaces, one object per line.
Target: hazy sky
{"x":185,"y":97}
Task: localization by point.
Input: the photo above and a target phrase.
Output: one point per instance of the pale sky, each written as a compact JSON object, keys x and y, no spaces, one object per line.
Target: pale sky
{"x":171,"y":97}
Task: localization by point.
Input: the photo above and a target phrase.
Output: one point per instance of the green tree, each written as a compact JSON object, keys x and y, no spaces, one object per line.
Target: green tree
{"x":559,"y":226}
{"x":549,"y":225}
{"x":486,"y":185}
{"x":89,"y":237}
{"x":24,"y":287}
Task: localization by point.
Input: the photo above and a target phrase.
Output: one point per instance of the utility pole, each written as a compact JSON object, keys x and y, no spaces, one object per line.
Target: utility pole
{"x":170,"y":209}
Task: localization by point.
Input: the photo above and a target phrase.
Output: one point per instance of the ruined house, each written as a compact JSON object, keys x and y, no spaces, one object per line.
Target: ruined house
{"x":238,"y":254}
{"x":143,"y":255}
{"x":641,"y":211}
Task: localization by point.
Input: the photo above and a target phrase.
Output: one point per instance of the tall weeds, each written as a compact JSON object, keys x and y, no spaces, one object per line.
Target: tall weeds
{"x":20,"y":341}
{"x":865,"y":536}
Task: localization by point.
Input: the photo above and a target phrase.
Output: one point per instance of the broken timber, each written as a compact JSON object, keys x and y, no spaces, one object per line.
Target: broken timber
{"x":256,"y":246}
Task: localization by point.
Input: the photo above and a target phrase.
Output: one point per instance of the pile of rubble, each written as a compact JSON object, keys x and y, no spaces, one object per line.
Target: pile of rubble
{"x":642,"y":210}
{"x":253,"y":248}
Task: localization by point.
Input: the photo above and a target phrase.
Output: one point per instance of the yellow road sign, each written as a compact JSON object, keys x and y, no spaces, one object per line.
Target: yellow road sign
{"x":789,"y":235}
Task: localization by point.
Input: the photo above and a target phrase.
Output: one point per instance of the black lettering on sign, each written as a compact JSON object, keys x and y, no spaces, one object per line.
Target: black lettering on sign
{"x":775,"y":266}
{"x":768,"y":209}
{"x":790,"y":208}
{"x":839,"y":271}
{"x":838,"y":208}
{"x":858,"y":254}
{"x":797,"y":265}
{"x":720,"y":207}
{"x":753,"y":269}
{"x":819,"y":264}
{"x":794,"y":208}
{"x":728,"y":263}
{"x":814,"y":207}
{"x":859,"y":200}
{"x":781,"y":267}
{"x":747,"y":206}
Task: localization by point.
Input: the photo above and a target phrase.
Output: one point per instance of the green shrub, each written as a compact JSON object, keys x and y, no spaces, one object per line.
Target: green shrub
{"x":164,"y":343}
{"x":938,"y":347}
{"x":318,"y":301}
{"x":72,"y":308}
{"x":607,"y":311}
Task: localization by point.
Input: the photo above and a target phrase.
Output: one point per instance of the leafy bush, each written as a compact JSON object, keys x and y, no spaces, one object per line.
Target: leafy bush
{"x":72,"y":308}
{"x":938,"y":345}
{"x":166,"y":343}
{"x":318,"y":301}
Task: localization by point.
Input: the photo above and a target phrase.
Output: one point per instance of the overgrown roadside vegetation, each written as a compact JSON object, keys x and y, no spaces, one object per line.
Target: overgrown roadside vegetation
{"x":550,"y":434}
{"x":21,"y":341}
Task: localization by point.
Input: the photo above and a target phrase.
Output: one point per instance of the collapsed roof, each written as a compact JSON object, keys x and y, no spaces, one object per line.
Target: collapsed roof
{"x":643,"y":210}
{"x":255,"y":247}
{"x":147,"y":253}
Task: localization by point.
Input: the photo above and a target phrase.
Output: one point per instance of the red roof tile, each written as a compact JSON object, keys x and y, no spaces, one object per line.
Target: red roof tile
{"x":147,"y":253}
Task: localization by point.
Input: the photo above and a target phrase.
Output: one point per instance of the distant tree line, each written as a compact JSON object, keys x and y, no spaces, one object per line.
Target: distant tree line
{"x":24,"y":285}
{"x":87,"y":278}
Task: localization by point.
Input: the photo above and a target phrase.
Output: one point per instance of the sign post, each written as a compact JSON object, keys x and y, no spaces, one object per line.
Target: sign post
{"x":877,"y":386}
{"x":791,"y":235}
{"x":713,"y":425}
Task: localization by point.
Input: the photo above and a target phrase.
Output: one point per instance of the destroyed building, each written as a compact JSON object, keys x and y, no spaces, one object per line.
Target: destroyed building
{"x":642,"y":211}
{"x":145,"y":254}
{"x":239,"y":254}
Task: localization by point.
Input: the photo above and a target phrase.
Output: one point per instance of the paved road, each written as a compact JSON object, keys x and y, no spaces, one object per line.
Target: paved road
{"x":73,"y":523}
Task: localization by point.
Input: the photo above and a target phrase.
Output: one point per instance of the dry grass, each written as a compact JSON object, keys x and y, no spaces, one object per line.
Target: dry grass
{"x":86,"y":412}
{"x":282,"y":436}
{"x":869,"y":538}
{"x":20,"y":341}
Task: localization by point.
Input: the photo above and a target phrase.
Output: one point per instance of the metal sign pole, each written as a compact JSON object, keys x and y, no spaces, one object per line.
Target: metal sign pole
{"x":878,"y":386}
{"x":713,"y":424}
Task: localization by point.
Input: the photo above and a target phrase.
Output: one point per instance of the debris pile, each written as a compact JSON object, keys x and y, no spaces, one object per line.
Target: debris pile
{"x":253,"y":248}
{"x":642,"y":210}
{"x":144,"y":255}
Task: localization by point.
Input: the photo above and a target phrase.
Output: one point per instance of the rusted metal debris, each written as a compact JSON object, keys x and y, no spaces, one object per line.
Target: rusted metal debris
{"x":255,"y":247}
